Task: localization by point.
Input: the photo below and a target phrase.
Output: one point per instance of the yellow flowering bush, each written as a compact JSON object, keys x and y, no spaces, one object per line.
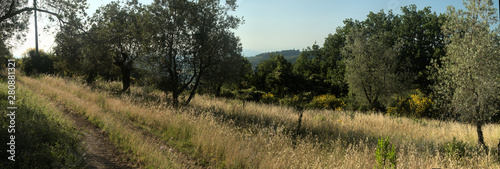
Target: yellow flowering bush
{"x":268,"y":98}
{"x":414,"y":104}
{"x":327,"y":101}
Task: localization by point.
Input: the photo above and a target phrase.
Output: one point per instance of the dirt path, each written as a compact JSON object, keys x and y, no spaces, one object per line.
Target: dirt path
{"x":100,"y":153}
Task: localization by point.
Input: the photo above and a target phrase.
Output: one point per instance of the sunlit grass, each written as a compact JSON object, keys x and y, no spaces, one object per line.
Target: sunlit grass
{"x":232,"y":134}
{"x":146,"y":151}
{"x":44,"y":137}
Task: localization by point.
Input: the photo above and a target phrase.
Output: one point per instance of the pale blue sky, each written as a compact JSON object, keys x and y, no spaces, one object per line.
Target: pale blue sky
{"x":272,"y":25}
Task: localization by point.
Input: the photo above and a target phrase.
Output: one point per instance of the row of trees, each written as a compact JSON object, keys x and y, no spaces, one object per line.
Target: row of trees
{"x":174,"y":45}
{"x":369,"y":60}
{"x":452,"y":58}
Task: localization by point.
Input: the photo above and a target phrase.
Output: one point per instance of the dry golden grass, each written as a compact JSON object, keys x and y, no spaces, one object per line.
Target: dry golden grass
{"x":146,"y":151}
{"x":369,"y":124}
{"x":230,"y":134}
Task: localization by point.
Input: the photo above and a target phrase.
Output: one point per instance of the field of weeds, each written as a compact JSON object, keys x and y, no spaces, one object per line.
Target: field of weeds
{"x":222,"y":133}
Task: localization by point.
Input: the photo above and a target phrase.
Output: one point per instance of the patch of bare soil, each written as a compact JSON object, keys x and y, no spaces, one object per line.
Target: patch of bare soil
{"x":100,"y":153}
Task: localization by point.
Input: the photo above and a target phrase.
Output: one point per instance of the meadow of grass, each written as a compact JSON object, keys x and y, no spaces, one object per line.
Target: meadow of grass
{"x":227,"y":133}
{"x":44,"y":138}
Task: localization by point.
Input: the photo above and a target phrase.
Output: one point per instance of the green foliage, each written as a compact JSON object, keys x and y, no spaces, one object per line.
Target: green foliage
{"x":371,"y":67}
{"x":4,"y":53}
{"x":290,"y":55}
{"x":251,"y":94}
{"x":119,"y":30}
{"x":226,"y":93}
{"x":472,"y":62}
{"x":327,"y":101}
{"x":385,"y":155}
{"x":455,"y":149}
{"x":4,"y":60}
{"x":172,"y":51}
{"x":411,"y":104}
{"x":322,"y":72}
{"x":298,"y":101}
{"x":185,"y":39}
{"x":421,"y":35}
{"x":394,"y":53}
{"x":268,"y":98}
{"x":34,"y":64}
{"x":353,"y":104}
{"x":315,"y":68}
{"x":275,"y":76}
{"x":467,"y":80}
{"x":232,"y":72}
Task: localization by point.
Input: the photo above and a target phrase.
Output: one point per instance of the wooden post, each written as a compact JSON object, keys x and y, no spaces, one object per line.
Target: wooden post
{"x":300,"y":110}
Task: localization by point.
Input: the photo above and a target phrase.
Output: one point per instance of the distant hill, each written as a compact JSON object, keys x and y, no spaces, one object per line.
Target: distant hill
{"x":290,"y":55}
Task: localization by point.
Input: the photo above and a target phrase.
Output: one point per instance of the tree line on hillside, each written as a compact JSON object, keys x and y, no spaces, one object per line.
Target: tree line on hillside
{"x":417,"y":64}
{"x":290,"y":55}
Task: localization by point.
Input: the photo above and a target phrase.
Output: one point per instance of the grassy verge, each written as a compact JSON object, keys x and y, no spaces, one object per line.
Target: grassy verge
{"x":222,"y":143}
{"x":146,"y":152}
{"x":43,"y":137}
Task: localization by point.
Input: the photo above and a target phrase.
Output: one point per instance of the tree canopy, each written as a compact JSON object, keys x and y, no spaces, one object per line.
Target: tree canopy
{"x":468,"y":79}
{"x":187,"y":39}
{"x":371,"y":70}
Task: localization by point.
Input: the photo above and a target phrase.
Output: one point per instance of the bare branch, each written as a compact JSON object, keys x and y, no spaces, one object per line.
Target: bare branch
{"x":12,"y":14}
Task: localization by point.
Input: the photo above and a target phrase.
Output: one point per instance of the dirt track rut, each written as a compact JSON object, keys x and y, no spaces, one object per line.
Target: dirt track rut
{"x":100,"y":153}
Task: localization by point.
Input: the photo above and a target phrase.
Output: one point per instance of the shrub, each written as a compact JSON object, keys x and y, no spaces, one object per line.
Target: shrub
{"x":455,"y":149}
{"x":251,"y":94}
{"x":226,"y":93}
{"x":327,"y":101}
{"x":300,"y":100}
{"x":412,"y":104}
{"x":268,"y":98}
{"x":384,"y":155}
{"x":35,"y":64}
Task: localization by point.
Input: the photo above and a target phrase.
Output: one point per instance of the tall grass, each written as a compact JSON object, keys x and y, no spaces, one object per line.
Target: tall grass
{"x":44,"y":138}
{"x":367,"y":124}
{"x":147,"y":152}
{"x":325,"y":121}
{"x":230,"y":134}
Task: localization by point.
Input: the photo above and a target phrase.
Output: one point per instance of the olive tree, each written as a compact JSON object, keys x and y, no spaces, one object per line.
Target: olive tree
{"x":371,"y":67}
{"x":468,"y":78}
{"x":120,"y":29}
{"x":188,"y":38}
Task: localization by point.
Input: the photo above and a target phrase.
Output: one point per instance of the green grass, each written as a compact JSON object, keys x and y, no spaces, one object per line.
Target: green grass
{"x":43,"y":138}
